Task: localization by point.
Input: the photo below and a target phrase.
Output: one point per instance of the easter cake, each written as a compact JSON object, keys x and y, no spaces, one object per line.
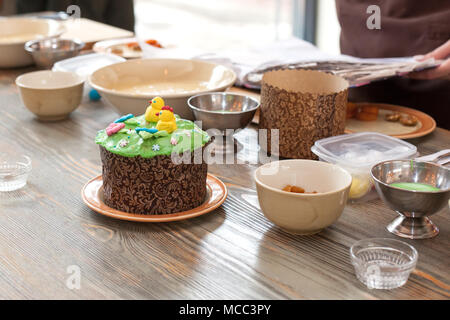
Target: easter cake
{"x":153,"y":163}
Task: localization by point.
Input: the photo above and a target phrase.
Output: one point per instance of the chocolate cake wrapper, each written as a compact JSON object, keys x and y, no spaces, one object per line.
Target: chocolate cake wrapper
{"x":152,"y":185}
{"x":305,"y":106}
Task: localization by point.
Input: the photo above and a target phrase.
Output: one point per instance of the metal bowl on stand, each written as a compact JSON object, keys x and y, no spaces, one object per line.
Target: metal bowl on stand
{"x":414,"y":207}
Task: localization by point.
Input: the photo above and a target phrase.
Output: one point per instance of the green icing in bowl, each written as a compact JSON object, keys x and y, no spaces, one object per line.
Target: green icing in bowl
{"x":188,"y":136}
{"x":414,"y":186}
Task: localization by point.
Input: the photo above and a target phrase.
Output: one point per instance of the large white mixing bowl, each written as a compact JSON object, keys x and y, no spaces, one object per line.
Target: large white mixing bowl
{"x":129,"y":85}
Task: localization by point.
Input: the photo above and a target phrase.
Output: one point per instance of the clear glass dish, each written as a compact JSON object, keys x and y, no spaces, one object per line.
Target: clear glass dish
{"x":382,"y":263}
{"x":14,"y":171}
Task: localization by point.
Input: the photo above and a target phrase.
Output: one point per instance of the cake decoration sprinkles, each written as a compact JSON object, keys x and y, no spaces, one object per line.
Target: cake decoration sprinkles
{"x":155,"y":147}
{"x":124,"y":118}
{"x":114,"y":128}
{"x":123,"y":143}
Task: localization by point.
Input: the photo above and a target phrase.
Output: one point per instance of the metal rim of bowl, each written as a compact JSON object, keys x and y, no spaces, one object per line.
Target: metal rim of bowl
{"x":223,"y":94}
{"x":78,"y":45}
{"x":407,"y":160}
{"x":414,"y":258}
{"x":303,"y":194}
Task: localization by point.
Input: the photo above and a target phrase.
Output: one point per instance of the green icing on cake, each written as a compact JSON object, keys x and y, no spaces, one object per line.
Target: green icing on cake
{"x":129,"y":143}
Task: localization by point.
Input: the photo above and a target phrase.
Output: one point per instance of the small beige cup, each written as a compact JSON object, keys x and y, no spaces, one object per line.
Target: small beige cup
{"x":302,"y":213}
{"x":50,"y":95}
{"x":305,"y":106}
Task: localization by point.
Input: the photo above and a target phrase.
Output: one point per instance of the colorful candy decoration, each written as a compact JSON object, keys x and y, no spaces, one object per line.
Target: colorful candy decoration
{"x":123,"y":143}
{"x":155,"y":147}
{"x":162,"y":133}
{"x":132,"y":121}
{"x":173,"y":141}
{"x":114,"y":128}
{"x":167,"y":120}
{"x":124,"y":118}
{"x":149,"y":130}
{"x":94,"y":95}
{"x":156,"y":104}
{"x":145,"y":135}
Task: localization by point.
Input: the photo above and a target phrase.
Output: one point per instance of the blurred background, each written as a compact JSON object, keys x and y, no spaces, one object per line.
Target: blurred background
{"x":211,"y":25}
{"x":240,"y":23}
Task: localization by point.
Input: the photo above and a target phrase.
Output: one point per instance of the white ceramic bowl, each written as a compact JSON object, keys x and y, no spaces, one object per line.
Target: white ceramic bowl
{"x":128,"y":86}
{"x":302,"y":213}
{"x":50,"y":95}
{"x":15,"y":32}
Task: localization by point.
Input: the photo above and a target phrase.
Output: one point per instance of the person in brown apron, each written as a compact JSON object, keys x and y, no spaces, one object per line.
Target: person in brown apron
{"x":407,"y":28}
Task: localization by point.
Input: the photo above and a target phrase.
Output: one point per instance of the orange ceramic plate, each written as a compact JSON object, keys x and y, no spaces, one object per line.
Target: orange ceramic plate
{"x":394,"y":129}
{"x":92,"y":194}
{"x":425,"y":126}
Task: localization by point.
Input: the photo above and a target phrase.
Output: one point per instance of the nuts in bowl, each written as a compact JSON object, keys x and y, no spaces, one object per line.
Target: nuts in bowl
{"x":307,"y":212}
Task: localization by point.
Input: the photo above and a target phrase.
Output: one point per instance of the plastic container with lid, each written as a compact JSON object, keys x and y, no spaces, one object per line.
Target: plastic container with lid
{"x":357,"y":153}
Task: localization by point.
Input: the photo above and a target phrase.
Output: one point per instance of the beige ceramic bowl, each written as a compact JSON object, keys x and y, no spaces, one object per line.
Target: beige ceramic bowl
{"x":128,"y":86}
{"x":14,"y":32}
{"x":50,"y":95}
{"x":302,"y":213}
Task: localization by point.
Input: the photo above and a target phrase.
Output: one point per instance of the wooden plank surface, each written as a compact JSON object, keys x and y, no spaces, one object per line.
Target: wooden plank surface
{"x":233,"y":252}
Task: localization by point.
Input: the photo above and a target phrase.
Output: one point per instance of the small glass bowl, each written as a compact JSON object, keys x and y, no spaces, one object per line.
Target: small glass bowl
{"x":382,"y":263}
{"x":14,"y":171}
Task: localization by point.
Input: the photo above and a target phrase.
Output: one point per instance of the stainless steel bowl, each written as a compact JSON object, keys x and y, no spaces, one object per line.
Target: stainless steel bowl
{"x":222,"y":111}
{"x":46,"y":52}
{"x":414,"y":207}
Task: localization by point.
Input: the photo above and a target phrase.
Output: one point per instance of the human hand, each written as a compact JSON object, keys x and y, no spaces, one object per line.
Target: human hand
{"x":440,"y":53}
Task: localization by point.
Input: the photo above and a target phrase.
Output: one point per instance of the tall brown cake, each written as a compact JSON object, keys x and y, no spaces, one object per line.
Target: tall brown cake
{"x":149,"y":167}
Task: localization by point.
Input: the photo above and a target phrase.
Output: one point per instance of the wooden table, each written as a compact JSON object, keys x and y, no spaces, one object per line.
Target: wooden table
{"x":233,"y":252}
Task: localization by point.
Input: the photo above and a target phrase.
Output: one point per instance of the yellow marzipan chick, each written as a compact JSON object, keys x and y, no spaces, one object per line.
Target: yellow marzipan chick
{"x":166,"y":120}
{"x":154,"y":108}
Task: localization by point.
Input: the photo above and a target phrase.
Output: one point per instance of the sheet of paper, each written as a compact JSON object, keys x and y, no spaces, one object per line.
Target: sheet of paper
{"x":249,"y":64}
